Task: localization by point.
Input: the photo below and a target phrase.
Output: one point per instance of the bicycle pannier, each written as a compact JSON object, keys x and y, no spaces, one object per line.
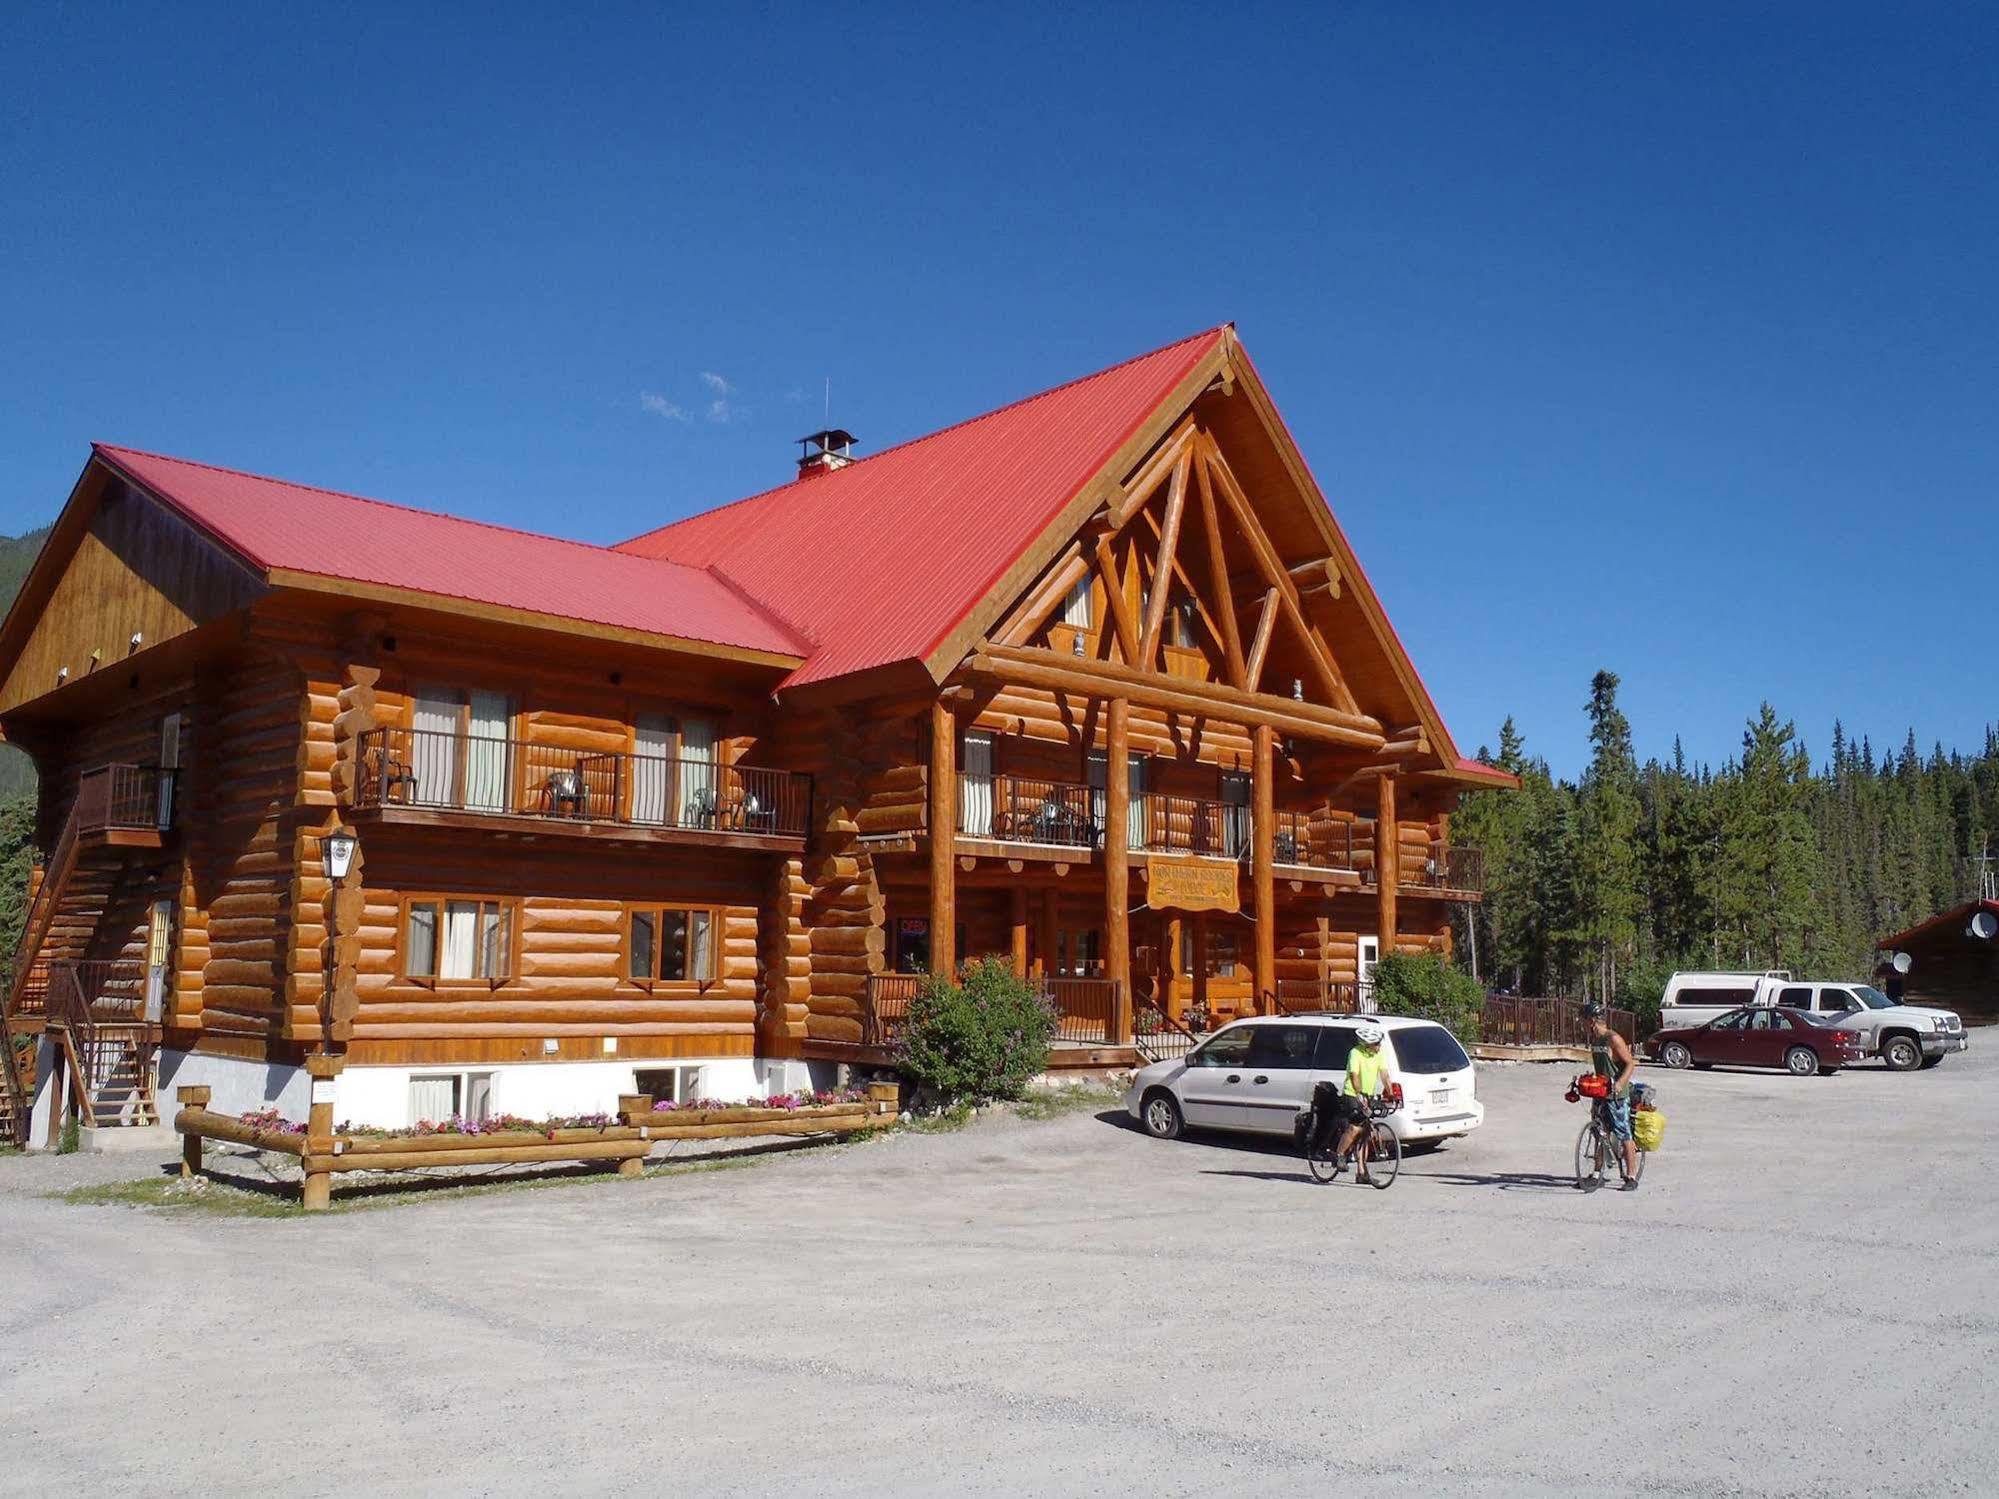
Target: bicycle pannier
{"x":1648,"y":1128}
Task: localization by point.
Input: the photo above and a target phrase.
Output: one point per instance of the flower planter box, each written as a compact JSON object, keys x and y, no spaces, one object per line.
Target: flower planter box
{"x":624,"y":1144}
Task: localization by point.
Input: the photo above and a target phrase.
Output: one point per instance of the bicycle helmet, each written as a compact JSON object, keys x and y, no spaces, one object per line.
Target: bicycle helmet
{"x":1593,"y":1010}
{"x":1369,"y":1035}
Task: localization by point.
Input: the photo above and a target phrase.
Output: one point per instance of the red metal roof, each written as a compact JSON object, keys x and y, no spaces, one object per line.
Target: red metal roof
{"x":879,"y":561}
{"x":274,"y":524}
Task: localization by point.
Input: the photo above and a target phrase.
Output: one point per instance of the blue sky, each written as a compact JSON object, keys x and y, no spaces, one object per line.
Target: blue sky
{"x":1629,"y":336}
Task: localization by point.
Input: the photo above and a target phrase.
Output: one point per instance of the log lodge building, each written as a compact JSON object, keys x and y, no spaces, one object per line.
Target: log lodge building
{"x":1093,"y":682}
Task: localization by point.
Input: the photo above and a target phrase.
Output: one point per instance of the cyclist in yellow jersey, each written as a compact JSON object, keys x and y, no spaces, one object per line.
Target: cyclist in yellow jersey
{"x":1367,"y":1077}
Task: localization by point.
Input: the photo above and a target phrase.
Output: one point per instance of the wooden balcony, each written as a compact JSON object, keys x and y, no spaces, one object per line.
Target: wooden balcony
{"x":1450,"y":872}
{"x":413,"y":775}
{"x":126,"y":805}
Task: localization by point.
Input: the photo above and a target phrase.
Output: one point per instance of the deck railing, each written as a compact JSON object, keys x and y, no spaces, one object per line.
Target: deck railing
{"x":1447,"y":868}
{"x":1317,"y":997}
{"x":1511,"y":1021}
{"x":1085,"y":1009}
{"x":125,"y":796}
{"x":1026,"y":809}
{"x":450,"y":772}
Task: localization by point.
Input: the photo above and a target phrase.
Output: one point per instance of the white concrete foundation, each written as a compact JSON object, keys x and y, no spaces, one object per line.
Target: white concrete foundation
{"x":236,"y":1086}
{"x":534,"y":1090}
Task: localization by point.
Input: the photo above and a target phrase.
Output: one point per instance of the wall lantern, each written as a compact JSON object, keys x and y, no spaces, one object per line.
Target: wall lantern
{"x":338,"y":849}
{"x":1297,"y":689}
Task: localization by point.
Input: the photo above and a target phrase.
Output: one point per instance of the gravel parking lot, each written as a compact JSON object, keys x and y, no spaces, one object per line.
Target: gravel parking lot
{"x":1799,"y":1301}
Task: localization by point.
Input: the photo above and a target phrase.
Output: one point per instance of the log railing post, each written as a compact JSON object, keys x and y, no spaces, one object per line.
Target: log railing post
{"x":635,"y":1109}
{"x":1117,"y":867}
{"x":190,"y":1144}
{"x":317,"y":1193}
{"x":943,"y":839}
{"x":1387,"y":860}
{"x":1262,"y":835}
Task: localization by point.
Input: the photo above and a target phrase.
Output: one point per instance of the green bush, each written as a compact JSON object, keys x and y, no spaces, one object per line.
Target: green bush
{"x":979,"y":1038}
{"x":1425,"y":986}
{"x":1639,"y":989}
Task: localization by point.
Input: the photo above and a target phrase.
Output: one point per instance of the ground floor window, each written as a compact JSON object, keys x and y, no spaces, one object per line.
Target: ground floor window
{"x":1221,"y":952}
{"x":451,"y":938}
{"x":670,"y":944}
{"x":912,"y":944}
{"x":669,"y":1084}
{"x":437,"y":1096}
{"x":1079,"y":955}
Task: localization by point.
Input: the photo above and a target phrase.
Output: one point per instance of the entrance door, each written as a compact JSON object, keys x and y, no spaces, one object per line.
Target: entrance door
{"x":486,"y":761}
{"x":159,"y":958}
{"x":169,"y":763}
{"x":434,"y":720}
{"x":1370,"y":954}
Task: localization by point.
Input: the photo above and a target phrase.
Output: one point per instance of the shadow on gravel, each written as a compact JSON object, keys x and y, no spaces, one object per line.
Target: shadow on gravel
{"x":1269,"y":1176}
{"x":1508,"y":1181}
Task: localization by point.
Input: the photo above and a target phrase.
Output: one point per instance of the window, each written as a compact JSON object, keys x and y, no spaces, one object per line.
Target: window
{"x":1228,"y":1049}
{"x":669,"y":1084}
{"x":1079,"y":955}
{"x":1283,"y":1046}
{"x":1725,"y":998}
{"x":1221,"y":952}
{"x":1335,"y":1045}
{"x":460,"y":749}
{"x":444,"y":938}
{"x":1763,"y":1020}
{"x":670,"y":945}
{"x":1428,"y":1048}
{"x":1186,"y":623}
{"x":1734,"y":1021}
{"x":436,"y":1097}
{"x":1076,"y":604}
{"x":1800,"y":996}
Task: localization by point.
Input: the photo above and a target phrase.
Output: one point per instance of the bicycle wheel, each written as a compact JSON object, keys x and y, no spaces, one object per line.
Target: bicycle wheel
{"x":1323,"y":1159}
{"x":1384,"y":1157}
{"x":1592,"y":1157}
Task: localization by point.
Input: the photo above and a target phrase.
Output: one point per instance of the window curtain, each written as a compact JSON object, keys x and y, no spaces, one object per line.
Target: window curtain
{"x":652,"y":745}
{"x":975,"y":787}
{"x":1076,"y":604}
{"x":434,"y":750}
{"x":461,"y":940}
{"x":701,"y":947}
{"x":486,"y":752}
{"x":698,"y":799}
{"x":1134,"y":814}
{"x":433,"y":1098}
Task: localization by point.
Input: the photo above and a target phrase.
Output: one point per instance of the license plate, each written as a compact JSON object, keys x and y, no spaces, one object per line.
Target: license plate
{"x":1440,"y":1095}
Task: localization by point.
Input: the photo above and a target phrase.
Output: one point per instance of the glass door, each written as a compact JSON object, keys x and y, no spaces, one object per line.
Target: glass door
{"x":652,"y":748}
{"x":975,"y":787}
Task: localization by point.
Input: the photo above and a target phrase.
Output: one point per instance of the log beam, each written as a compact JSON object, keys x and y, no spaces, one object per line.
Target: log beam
{"x":1387,"y":861}
{"x":1218,"y":567}
{"x":1265,"y":625}
{"x":1162,"y":568}
{"x":943,"y":838}
{"x":1117,"y":866}
{"x":1263,"y":832}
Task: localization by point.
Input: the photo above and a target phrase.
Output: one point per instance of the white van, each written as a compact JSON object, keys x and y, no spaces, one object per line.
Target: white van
{"x":1257,"y":1075}
{"x":1693,"y":999}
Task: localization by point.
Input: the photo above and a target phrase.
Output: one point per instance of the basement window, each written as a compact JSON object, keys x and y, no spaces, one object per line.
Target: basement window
{"x":438,"y":1096}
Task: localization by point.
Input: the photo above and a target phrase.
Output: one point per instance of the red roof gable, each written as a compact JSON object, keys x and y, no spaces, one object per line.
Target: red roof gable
{"x":879,"y":561}
{"x":1955,"y":914}
{"x":295,"y":527}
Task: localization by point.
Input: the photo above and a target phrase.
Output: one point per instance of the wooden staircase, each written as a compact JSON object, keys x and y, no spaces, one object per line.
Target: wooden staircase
{"x":108,"y":1048}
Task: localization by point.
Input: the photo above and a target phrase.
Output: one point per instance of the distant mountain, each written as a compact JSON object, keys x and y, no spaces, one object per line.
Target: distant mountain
{"x":17,"y":555}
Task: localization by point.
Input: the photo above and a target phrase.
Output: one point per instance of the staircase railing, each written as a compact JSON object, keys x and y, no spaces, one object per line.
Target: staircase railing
{"x":70,"y":1011}
{"x":42,"y":909}
{"x":14,"y":1127}
{"x":1157,"y":1036}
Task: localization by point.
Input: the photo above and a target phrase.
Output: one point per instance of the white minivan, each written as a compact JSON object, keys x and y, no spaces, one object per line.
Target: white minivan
{"x":1256,"y":1075}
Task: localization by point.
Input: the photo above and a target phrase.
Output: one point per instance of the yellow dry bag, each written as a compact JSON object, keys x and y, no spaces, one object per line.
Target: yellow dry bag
{"x":1648,"y":1128}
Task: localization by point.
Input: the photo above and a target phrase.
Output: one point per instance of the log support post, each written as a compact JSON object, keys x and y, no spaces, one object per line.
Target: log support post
{"x":317,"y":1195}
{"x":1117,"y":867}
{"x":1169,"y":967}
{"x":1263,"y":833}
{"x":1201,"y":961}
{"x":1019,"y":933}
{"x":1044,"y":960}
{"x":1387,"y":860}
{"x":943,"y":839}
{"x":190,"y":1144}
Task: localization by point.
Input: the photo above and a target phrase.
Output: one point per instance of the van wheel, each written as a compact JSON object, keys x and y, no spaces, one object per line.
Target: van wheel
{"x":1675,"y":1054}
{"x":1161,"y":1116}
{"x":1901,"y":1054}
{"x":1801,"y":1061}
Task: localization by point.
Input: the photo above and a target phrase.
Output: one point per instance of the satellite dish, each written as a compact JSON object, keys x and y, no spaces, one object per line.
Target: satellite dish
{"x":1902,"y":962}
{"x":1984,"y":925}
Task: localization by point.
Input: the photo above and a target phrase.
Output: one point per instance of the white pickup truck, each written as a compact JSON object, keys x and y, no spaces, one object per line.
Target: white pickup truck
{"x":1904,"y":1036}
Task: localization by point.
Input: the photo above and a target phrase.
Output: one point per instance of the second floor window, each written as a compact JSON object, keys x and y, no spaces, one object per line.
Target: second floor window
{"x":460,"y":749}
{"x":446,"y":938}
{"x":1076,"y":604}
{"x":670,"y":945}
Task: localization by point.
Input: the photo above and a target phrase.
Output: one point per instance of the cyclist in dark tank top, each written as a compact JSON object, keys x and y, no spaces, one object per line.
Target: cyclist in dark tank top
{"x":1611,"y":1057}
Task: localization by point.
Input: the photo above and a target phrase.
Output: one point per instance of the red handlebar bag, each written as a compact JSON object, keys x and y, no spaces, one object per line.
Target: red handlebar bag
{"x":1593,"y":1086}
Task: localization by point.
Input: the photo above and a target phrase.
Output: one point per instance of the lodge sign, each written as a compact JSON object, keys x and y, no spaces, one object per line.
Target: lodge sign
{"x":1192,"y":885}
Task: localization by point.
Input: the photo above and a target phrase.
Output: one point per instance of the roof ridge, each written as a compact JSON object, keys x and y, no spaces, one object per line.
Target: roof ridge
{"x":342,"y":494}
{"x":981,"y":416}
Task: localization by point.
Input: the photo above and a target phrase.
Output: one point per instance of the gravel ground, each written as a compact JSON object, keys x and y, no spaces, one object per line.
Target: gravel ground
{"x":1799,"y":1301}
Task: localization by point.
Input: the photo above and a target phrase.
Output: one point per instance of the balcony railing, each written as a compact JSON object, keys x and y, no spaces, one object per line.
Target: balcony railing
{"x":1023,"y":809}
{"x":126,"y":797}
{"x":446,"y":772}
{"x":1446,"y":868}
{"x":1190,"y":825}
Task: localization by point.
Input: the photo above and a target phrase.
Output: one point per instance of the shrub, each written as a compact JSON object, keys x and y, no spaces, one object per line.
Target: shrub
{"x":980,"y":1037}
{"x":1424,"y":985}
{"x":1639,"y":989}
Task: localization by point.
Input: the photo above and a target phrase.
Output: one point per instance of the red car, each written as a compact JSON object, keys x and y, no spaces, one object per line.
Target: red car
{"x":1761,"y":1036}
